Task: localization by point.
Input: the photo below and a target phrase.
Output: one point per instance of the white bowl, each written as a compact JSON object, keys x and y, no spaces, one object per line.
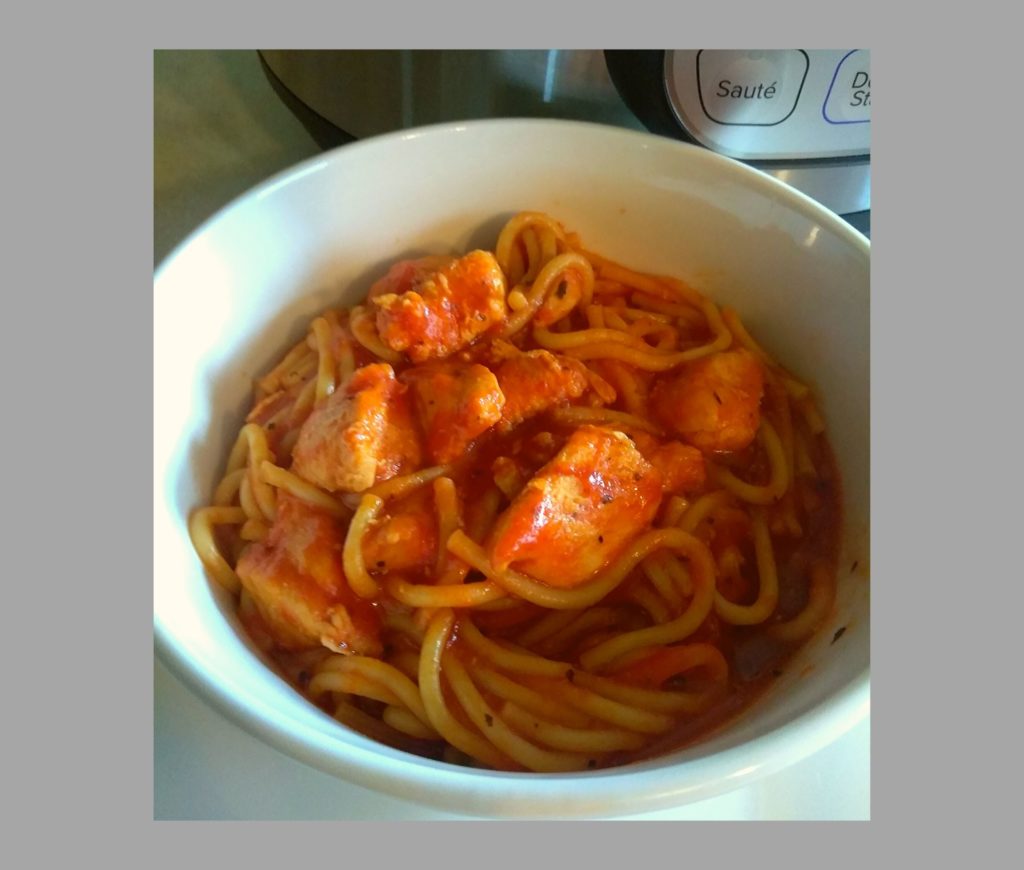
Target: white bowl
{"x":242,"y":289}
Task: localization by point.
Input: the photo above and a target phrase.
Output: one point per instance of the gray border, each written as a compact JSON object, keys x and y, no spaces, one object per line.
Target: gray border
{"x":87,"y":113}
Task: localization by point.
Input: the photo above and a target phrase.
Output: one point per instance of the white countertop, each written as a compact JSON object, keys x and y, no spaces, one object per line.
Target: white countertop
{"x":219,"y":129}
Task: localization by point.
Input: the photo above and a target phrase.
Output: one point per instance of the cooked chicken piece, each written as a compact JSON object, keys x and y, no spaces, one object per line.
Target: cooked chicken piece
{"x":405,"y":536}
{"x":455,"y":402}
{"x":434,"y":310}
{"x":537,"y":380}
{"x":681,"y":466}
{"x":580,"y":511}
{"x":296,"y":581}
{"x":362,"y":434}
{"x":407,"y":273}
{"x":713,"y":402}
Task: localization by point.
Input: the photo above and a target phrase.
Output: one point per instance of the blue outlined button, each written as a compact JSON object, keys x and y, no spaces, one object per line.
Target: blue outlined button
{"x":848,"y":100}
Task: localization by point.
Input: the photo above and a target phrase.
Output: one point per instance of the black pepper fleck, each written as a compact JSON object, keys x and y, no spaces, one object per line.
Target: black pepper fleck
{"x":838,"y":634}
{"x":489,"y":719}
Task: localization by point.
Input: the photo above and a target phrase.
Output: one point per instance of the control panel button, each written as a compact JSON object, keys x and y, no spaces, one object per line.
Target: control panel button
{"x":750,"y":88}
{"x":724,"y":100}
{"x":849,"y":96}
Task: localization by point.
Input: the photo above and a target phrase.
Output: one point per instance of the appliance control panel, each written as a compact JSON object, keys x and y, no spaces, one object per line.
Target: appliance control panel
{"x":777,"y":104}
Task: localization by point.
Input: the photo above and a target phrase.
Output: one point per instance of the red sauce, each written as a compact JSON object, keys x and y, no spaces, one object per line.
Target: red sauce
{"x":556,"y":500}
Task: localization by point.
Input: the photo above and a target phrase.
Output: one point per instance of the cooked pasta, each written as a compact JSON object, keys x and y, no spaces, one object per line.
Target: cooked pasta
{"x":531,"y":510}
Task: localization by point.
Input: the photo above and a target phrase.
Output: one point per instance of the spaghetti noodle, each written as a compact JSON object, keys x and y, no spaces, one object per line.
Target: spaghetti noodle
{"x":531,"y":510}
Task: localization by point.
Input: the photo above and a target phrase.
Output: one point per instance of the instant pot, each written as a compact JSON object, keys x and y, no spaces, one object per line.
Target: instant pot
{"x":801,"y":115}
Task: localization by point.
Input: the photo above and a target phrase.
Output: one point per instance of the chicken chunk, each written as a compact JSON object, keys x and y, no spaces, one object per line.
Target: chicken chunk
{"x":580,"y":511}
{"x":401,"y":449}
{"x":362,"y":434}
{"x":681,"y":466}
{"x":455,"y":402}
{"x":537,"y":380}
{"x":431,"y":312}
{"x":713,"y":402}
{"x":407,"y":274}
{"x":296,"y":581}
{"x":405,"y":537}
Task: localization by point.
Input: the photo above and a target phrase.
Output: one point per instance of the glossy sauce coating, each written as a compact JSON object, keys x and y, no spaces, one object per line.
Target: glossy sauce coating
{"x":431,"y":312}
{"x":542,"y":492}
{"x":579,"y":511}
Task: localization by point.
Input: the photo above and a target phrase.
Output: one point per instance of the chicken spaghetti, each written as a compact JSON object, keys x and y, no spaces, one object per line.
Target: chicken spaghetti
{"x":528,"y":509}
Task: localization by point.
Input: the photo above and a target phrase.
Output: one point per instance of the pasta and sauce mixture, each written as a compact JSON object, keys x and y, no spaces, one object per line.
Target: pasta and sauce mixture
{"x":528,"y":509}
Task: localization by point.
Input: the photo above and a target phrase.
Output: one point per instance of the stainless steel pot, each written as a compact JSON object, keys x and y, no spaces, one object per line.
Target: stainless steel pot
{"x":801,"y":115}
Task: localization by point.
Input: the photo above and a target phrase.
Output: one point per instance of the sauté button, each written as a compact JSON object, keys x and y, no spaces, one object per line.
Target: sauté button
{"x":750,"y":88}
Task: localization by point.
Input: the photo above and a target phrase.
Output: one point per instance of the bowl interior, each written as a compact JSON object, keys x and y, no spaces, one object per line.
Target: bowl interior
{"x":242,"y":290}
